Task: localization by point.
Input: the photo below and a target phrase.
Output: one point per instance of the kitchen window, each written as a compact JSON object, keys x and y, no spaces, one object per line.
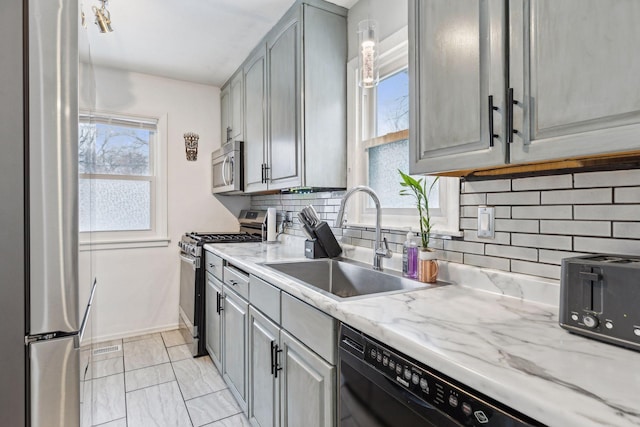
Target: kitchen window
{"x":379,"y":146}
{"x":122,"y":181}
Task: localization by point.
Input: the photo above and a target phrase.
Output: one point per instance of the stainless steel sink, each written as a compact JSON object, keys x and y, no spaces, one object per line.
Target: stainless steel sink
{"x":346,"y":279}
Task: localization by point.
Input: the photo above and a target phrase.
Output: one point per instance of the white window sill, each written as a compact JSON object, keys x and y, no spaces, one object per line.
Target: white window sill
{"x":103,"y":245}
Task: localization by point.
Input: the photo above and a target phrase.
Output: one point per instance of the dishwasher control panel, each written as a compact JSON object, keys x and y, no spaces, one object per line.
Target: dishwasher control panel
{"x":464,"y":406}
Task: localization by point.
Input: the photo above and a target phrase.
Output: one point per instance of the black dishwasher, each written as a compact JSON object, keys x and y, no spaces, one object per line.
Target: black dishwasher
{"x":381,"y":387}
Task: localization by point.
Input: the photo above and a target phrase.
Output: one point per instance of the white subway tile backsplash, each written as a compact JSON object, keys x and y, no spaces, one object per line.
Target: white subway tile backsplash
{"x":473,"y":199}
{"x":626,"y":230}
{"x":541,"y":241}
{"x":517,"y":225}
{"x":555,"y":257}
{"x":542,"y":183}
{"x":539,"y":220}
{"x":514,"y":198}
{"x":607,"y":212}
{"x":513,"y":252}
{"x":498,"y":238}
{"x":607,"y":179}
{"x":492,"y":186}
{"x":627,"y":195}
{"x":487,"y":262}
{"x":466,"y":247}
{"x":576,"y":228}
{"x":612,"y":246}
{"x":577,"y":197}
{"x":542,"y":212}
{"x":535,"y":269}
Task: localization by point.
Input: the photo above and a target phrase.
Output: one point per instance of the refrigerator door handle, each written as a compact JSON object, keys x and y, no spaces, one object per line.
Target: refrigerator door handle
{"x":87,"y":312}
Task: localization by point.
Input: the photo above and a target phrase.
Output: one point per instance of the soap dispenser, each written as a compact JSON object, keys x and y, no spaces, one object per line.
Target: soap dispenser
{"x":410,"y":257}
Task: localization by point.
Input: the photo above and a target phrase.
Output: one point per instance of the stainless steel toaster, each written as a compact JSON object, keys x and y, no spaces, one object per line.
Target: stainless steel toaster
{"x":600,"y":298}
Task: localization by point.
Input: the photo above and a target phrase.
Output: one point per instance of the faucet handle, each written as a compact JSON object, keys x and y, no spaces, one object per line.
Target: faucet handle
{"x":384,"y":251}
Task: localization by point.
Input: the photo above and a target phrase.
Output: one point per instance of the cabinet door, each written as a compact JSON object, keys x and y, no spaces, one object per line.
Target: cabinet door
{"x":283,"y":76}
{"x":235,"y":325}
{"x":308,"y":386}
{"x":255,"y":124}
{"x":237,"y":106}
{"x":264,"y":388}
{"x":574,"y":69}
{"x":225,"y":115}
{"x":456,"y":55}
{"x":213,"y":320}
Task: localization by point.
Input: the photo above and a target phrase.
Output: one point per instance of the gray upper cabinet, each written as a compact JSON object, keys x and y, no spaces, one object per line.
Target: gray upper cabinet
{"x":569,"y":73}
{"x":457,"y":62}
{"x":255,"y":131}
{"x":232,"y":109}
{"x":283,"y":104}
{"x":295,"y":101}
{"x":574,"y":73}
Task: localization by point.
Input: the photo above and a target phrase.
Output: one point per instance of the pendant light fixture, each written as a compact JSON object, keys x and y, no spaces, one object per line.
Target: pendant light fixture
{"x":369,"y":51}
{"x":103,"y":17}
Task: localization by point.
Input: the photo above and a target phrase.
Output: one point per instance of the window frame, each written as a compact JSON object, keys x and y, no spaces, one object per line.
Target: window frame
{"x":157,"y":235}
{"x":361,"y":131}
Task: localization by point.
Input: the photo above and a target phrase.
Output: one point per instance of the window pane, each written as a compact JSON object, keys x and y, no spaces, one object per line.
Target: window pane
{"x":393,"y":103}
{"x":114,"y":150}
{"x":114,"y":205}
{"x":384,"y":162}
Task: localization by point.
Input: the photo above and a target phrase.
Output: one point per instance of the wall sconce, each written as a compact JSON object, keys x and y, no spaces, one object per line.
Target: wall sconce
{"x":103,"y":17}
{"x":191,"y":145}
{"x":368,"y":58}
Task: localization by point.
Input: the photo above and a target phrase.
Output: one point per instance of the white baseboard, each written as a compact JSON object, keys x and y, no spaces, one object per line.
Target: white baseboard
{"x":135,"y":333}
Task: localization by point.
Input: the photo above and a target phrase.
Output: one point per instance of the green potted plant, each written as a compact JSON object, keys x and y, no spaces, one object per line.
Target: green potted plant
{"x":417,"y":188}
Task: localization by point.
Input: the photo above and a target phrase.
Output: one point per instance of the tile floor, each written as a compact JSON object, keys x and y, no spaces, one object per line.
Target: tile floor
{"x":154,"y":382}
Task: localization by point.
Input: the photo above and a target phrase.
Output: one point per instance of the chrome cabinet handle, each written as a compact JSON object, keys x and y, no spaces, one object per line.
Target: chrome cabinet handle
{"x":233,"y":282}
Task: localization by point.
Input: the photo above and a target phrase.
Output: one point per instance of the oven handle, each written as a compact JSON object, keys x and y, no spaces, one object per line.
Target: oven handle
{"x":192,"y":261}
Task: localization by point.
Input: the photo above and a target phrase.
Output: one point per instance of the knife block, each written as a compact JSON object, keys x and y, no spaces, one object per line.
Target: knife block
{"x":313,"y":250}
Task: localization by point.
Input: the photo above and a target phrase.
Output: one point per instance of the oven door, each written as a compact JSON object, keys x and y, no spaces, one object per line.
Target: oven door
{"x":188,"y":277}
{"x":369,"y":399}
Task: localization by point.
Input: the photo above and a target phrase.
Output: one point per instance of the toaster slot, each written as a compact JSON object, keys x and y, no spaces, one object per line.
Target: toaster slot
{"x":592,"y":289}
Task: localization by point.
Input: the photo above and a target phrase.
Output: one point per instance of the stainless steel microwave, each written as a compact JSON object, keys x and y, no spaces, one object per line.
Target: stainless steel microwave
{"x":226,"y":169}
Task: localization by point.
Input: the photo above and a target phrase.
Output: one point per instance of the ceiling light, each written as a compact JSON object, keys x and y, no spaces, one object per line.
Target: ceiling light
{"x":103,"y":17}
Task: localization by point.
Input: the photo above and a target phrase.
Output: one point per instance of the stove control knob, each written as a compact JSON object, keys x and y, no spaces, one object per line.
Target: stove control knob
{"x":398,"y":369}
{"x":590,"y":321}
{"x":424,"y":385}
{"x":374,"y":353}
{"x":466,"y":409}
{"x":392,"y":364}
{"x":379,"y":358}
{"x":385,"y":361}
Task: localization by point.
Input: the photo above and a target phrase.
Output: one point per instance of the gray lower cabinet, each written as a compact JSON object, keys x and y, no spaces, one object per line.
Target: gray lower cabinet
{"x":264,"y":401}
{"x":308,"y":386}
{"x":235,"y":326}
{"x":290,"y":384}
{"x":566,"y":91}
{"x":213,"y":316}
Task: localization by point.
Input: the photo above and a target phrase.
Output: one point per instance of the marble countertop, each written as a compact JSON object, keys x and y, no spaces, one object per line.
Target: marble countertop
{"x":507,"y":347}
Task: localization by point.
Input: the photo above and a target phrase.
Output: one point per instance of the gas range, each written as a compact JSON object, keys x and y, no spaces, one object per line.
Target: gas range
{"x":251,"y":230}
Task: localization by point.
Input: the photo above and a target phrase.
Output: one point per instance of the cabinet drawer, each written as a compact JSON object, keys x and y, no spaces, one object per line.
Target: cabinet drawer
{"x":265,"y":297}
{"x":316,"y":330}
{"x":237,"y":280}
{"x":213,"y":264}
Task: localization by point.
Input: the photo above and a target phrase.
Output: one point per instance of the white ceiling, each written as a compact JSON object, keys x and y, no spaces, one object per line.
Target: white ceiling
{"x":201,"y":41}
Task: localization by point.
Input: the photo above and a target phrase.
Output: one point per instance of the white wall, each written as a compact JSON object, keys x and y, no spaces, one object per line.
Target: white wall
{"x":391,"y":16}
{"x":138,"y":288}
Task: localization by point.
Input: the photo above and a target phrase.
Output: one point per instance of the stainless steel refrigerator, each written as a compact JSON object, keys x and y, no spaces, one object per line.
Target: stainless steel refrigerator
{"x":40,"y":319}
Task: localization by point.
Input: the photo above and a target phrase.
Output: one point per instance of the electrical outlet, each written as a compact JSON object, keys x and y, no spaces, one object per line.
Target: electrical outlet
{"x":486,"y":221}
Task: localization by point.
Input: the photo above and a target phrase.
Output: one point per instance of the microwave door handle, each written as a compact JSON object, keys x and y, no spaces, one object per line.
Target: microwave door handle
{"x":224,"y":168}
{"x":230,"y":170}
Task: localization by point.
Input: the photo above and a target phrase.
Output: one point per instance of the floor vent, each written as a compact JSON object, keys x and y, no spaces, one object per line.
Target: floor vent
{"x":106,"y":350}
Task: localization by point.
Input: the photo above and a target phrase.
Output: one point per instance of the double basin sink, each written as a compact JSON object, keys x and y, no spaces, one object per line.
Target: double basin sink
{"x":346,"y":279}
